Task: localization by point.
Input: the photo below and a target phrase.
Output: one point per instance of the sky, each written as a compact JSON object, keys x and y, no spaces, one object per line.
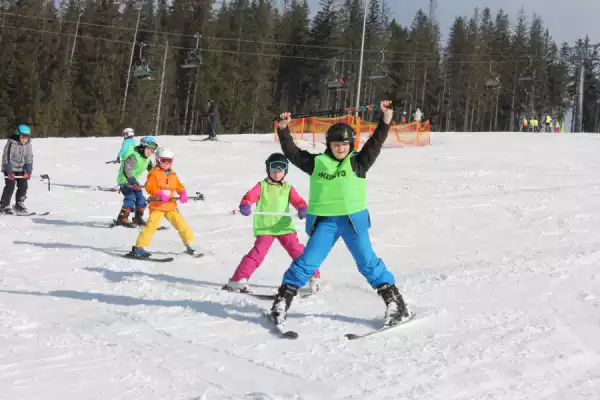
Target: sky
{"x":567,"y":20}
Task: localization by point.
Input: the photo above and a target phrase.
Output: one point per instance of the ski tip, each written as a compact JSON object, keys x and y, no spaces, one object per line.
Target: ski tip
{"x":352,"y":336}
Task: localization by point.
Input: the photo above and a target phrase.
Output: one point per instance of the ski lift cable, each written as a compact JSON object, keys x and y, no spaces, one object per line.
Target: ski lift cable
{"x":273,"y":43}
{"x":276,"y":55}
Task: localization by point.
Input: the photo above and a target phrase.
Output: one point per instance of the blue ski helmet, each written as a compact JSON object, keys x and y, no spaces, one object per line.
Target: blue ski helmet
{"x":23,"y":130}
{"x":149,"y":141}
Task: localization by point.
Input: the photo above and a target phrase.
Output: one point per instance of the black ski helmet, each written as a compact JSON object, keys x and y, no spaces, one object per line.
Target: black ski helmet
{"x":277,"y":158}
{"x":340,"y":132}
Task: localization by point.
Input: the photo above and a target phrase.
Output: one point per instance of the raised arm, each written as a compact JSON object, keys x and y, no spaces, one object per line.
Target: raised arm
{"x":302,"y":159}
{"x":370,"y":151}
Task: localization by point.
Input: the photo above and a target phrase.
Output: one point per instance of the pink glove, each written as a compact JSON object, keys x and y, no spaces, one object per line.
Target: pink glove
{"x":183,"y":198}
{"x":163,"y":196}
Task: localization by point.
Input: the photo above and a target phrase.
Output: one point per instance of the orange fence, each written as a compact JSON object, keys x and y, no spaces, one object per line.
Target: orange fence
{"x":312,"y":129}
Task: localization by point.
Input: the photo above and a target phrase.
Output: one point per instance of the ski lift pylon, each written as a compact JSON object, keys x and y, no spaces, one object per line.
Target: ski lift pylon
{"x":382,"y":71}
{"x":193,"y":59}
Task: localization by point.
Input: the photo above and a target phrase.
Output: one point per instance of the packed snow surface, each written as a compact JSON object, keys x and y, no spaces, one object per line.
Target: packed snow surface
{"x":494,"y":240}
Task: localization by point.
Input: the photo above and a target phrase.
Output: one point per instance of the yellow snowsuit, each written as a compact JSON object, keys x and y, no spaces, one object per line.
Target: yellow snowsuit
{"x":161,"y":180}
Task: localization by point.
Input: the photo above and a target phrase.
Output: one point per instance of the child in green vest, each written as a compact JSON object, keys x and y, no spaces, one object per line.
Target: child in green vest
{"x":271,"y":195}
{"x":130,"y":171}
{"x":337,"y":208}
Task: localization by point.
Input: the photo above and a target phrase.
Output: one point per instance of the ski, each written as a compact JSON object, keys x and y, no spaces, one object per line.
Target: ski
{"x":352,"y":336}
{"x":131,"y":257}
{"x":280,"y":328}
{"x":266,"y":296}
{"x":107,"y":189}
{"x":130,"y":225}
{"x":194,"y":255}
{"x":30,"y":214}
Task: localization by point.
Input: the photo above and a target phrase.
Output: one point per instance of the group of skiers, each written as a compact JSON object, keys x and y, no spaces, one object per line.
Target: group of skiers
{"x":549,"y":125}
{"x":337,"y":206}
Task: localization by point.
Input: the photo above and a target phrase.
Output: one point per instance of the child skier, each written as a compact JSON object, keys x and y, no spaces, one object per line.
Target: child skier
{"x":338,"y":207}
{"x":128,"y":144}
{"x":272,"y":194}
{"x":17,"y":165}
{"x":163,"y":183}
{"x":129,"y":172}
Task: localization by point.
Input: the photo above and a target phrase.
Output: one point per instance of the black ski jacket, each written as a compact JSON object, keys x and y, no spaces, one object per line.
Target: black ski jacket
{"x":361,"y":161}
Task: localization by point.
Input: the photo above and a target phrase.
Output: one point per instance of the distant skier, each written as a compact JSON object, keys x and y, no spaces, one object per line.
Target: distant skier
{"x":17,"y":166}
{"x":130,"y":171}
{"x":272,"y":194}
{"x":337,"y":208}
{"x":128,"y":144}
{"x":163,"y":184}
{"x":418,"y":115}
{"x":212,"y":113}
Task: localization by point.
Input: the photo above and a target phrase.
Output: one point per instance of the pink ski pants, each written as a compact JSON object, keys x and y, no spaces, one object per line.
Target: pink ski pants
{"x":256,"y":256}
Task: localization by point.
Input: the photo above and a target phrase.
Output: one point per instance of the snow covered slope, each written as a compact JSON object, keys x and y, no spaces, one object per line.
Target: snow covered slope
{"x":494,"y":240}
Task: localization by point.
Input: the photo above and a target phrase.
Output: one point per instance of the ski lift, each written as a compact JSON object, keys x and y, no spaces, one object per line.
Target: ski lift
{"x":194,"y":57}
{"x":493,"y":81}
{"x":382,"y":72}
{"x":141,"y":68}
{"x":529,"y":75}
{"x":339,"y":82}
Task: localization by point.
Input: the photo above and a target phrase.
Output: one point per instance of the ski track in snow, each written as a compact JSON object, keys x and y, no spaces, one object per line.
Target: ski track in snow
{"x":493,"y":239}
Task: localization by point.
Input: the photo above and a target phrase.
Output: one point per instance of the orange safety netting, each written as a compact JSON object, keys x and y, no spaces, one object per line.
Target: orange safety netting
{"x":312,"y":129}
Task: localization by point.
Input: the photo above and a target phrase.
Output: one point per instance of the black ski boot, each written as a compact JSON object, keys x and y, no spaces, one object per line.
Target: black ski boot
{"x":282,"y":303}
{"x":6,"y":210}
{"x":396,"y":309}
{"x":123,"y":217}
{"x":20,"y":208}
{"x":138,"y":218}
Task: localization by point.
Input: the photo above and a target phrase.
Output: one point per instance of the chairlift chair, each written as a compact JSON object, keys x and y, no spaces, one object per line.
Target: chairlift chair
{"x":338,"y":83}
{"x":194,"y":57}
{"x":142,"y":69}
{"x":382,"y":72}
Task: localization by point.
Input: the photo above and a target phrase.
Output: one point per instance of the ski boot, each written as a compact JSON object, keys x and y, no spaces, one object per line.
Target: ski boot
{"x":138,"y":218}
{"x":282,"y":303}
{"x":20,"y":208}
{"x":314,"y":284}
{"x":240,"y":286}
{"x":395,"y":308}
{"x":6,"y":210}
{"x":123,"y":217}
{"x":139,"y":252}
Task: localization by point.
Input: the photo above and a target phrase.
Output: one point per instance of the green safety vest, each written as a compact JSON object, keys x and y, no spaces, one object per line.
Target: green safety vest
{"x":273,"y":198}
{"x":335,"y":189}
{"x":141,"y":164}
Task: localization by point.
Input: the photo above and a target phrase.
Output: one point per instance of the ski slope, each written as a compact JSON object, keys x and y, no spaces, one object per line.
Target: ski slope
{"x":493,"y":238}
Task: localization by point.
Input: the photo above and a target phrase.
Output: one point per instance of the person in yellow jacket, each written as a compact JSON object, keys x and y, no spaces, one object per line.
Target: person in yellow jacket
{"x":163,"y":184}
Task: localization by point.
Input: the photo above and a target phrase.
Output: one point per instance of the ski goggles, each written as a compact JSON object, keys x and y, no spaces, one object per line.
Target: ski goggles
{"x":278,"y":165}
{"x":166,"y":160}
{"x":153,"y":145}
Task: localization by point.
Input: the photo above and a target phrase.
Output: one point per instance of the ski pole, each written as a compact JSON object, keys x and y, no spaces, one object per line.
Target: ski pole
{"x":198,"y":196}
{"x":349,"y":110}
{"x":46,"y":176}
{"x":112,"y":162}
{"x":275,"y":214}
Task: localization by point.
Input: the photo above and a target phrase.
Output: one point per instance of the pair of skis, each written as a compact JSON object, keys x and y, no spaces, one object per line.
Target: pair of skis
{"x":283,"y":333}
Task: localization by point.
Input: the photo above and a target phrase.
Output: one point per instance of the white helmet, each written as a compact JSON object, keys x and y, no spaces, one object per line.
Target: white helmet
{"x":128,"y":132}
{"x":164,"y":152}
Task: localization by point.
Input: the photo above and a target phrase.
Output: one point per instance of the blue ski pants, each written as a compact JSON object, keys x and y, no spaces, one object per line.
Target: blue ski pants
{"x":326,"y":232}
{"x":132,"y":199}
